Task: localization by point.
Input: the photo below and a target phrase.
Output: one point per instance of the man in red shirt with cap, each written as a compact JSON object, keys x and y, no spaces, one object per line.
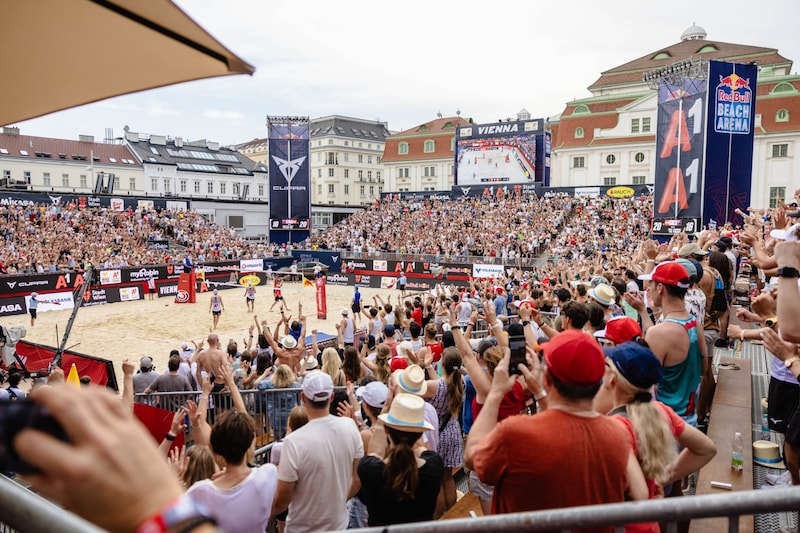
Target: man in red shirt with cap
{"x":564,"y":456}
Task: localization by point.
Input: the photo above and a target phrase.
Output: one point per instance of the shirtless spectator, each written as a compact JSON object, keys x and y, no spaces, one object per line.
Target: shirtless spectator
{"x":211,"y":360}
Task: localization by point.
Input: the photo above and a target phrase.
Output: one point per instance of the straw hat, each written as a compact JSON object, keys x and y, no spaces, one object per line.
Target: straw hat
{"x":311,"y":362}
{"x":411,"y":379}
{"x":289,"y":342}
{"x":407,"y":413}
{"x":603,"y":294}
{"x":766,"y":453}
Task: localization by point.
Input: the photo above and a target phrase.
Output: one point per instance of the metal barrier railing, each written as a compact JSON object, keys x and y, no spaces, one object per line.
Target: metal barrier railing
{"x":454,"y":259}
{"x":23,"y":510}
{"x":671,"y":510}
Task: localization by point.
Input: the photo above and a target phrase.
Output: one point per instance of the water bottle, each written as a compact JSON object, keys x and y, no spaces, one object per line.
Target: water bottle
{"x":764,"y":426}
{"x":737,"y":452}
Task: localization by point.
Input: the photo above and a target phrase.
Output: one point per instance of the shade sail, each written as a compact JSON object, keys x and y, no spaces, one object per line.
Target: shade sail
{"x":58,"y":54}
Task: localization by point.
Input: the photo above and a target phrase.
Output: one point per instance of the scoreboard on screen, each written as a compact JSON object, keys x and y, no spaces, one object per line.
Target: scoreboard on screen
{"x":498,"y":154}
{"x":289,"y":223}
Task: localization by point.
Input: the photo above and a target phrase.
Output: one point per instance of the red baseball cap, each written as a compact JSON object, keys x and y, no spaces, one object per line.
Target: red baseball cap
{"x":575,"y":358}
{"x":620,"y":329}
{"x":498,"y":290}
{"x":669,"y":273}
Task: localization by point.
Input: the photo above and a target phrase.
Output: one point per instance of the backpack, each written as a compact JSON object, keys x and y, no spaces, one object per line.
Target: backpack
{"x":11,"y":394}
{"x":716,"y":304}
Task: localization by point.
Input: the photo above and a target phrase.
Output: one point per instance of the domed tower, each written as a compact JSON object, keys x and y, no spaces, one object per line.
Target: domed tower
{"x":694,"y":33}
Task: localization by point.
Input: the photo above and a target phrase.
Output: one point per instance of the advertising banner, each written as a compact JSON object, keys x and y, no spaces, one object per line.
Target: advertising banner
{"x":340,"y":280}
{"x":500,"y":153}
{"x":110,"y":277}
{"x":729,"y":141}
{"x":251,"y":265}
{"x":332,"y":259}
{"x":14,"y":305}
{"x":53,"y":301}
{"x":388,"y":282}
{"x":81,"y":201}
{"x":159,"y":245}
{"x":680,"y":139}
{"x":289,"y":179}
{"x":322,"y":303}
{"x":487,"y":271}
{"x":38,"y":357}
{"x":129,"y":294}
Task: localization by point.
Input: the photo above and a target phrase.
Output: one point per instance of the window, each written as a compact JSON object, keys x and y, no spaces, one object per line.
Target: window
{"x":116,"y":182}
{"x":580,"y":110}
{"x":782,"y":115}
{"x":429,"y":146}
{"x":261,"y":189}
{"x":453,"y":144}
{"x":197,"y":187}
{"x":26,"y":176}
{"x":360,"y":175}
{"x":579,"y":133}
{"x":223,"y":188}
{"x":330,"y":141}
{"x":638,"y":180}
{"x":319,"y":172}
{"x":402,"y":148}
{"x":646,"y":125}
{"x":347,"y":173}
{"x":369,"y":175}
{"x":378,"y":175}
{"x":236,"y":188}
{"x":319,"y":188}
{"x":7,"y":175}
{"x":210,"y":187}
{"x":361,"y":190}
{"x":452,"y":170}
{"x":330,"y":172}
{"x":153,"y":184}
{"x":776,"y":196}
{"x":634,"y":125}
{"x":578,"y":162}
{"x":347,"y":189}
{"x":402,"y":172}
{"x":183,"y":185}
{"x":132,"y":184}
{"x":331,"y":188}
{"x":369,"y":159}
{"x":780,"y":150}
{"x":611,"y":159}
{"x":46,"y":178}
{"x":371,"y":190}
{"x":639,"y":157}
{"x":83,"y":181}
{"x":65,"y":180}
{"x":360,"y":158}
{"x":331,"y":159}
{"x":347,"y":156}
{"x":783,"y":87}
{"x":609,"y":181}
{"x":319,"y":156}
{"x":166,"y":185}
{"x":429,"y":171}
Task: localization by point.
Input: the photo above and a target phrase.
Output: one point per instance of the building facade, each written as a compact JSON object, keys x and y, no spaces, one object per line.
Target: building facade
{"x":609,"y":137}
{"x":422,"y":158}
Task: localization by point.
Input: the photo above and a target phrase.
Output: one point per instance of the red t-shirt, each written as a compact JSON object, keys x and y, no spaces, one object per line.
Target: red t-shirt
{"x":553,"y":460}
{"x":416,"y":315}
{"x":398,"y":363}
{"x":436,"y":350}
{"x":511,"y":404}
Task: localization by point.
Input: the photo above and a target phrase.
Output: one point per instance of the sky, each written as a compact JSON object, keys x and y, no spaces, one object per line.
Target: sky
{"x":404,"y":62}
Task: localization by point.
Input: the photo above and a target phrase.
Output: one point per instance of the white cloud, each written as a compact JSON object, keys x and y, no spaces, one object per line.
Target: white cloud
{"x":215,"y":114}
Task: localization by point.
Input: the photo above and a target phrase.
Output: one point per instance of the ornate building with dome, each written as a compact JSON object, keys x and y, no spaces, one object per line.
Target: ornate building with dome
{"x":609,"y":137}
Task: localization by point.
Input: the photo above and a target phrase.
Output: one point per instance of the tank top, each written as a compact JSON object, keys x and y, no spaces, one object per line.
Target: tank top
{"x":216,"y":304}
{"x":464,"y":312}
{"x":349,"y":330}
{"x":678,"y":387}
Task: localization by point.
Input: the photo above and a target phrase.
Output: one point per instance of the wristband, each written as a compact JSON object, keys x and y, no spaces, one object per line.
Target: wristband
{"x":525,"y":323}
{"x":184,"y":512}
{"x":471,"y":324}
{"x":540,"y":396}
{"x":170,"y":437}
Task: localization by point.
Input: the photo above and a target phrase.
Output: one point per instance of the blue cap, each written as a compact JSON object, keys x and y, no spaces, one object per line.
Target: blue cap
{"x":636,"y":363}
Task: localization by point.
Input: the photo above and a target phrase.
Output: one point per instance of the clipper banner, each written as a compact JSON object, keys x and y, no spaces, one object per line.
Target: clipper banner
{"x":680,"y":137}
{"x":289,"y":179}
{"x":729,"y":142}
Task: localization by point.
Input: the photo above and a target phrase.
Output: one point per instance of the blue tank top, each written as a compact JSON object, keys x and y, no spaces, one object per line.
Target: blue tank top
{"x":678,"y":387}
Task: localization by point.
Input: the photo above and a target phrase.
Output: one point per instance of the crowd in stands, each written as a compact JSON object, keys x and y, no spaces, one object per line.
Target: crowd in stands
{"x":607,"y":351}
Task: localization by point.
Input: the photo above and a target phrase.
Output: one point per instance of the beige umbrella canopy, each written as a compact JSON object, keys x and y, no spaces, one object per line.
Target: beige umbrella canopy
{"x":58,"y":54}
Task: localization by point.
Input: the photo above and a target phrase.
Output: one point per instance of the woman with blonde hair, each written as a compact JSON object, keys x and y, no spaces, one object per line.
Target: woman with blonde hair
{"x":380,"y":366}
{"x":332,"y":365}
{"x":200,"y":465}
{"x":279,"y":403}
{"x":631,"y":372}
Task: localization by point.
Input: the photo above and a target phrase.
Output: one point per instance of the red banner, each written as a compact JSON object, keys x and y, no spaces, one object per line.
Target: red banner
{"x":37,"y":357}
{"x":157,"y":421}
{"x":322,"y":304}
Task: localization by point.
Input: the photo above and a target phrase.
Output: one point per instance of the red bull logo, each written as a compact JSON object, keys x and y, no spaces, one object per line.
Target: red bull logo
{"x":733,"y":110}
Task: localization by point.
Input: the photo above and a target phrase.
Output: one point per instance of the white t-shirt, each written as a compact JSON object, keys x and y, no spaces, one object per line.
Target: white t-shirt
{"x":244,"y":508}
{"x":319,"y":458}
